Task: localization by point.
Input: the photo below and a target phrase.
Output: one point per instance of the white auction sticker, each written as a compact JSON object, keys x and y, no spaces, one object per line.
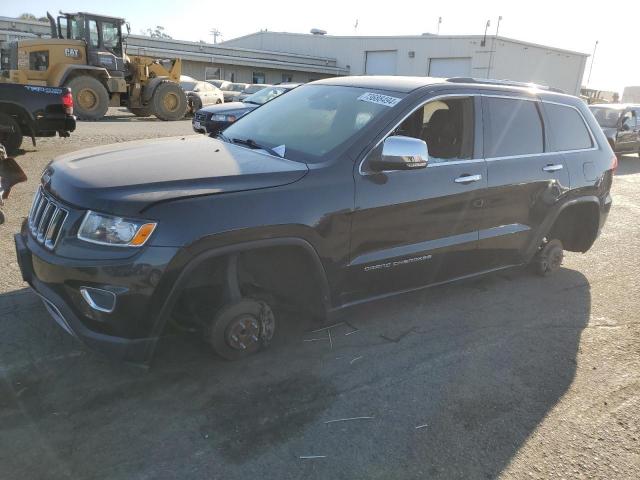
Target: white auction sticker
{"x":379,"y":99}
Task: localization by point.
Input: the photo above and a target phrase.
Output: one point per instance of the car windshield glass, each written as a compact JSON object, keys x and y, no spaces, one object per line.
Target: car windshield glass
{"x":188,"y":86}
{"x":237,"y":87}
{"x":606,"y":117}
{"x":264,"y":95}
{"x":312,"y":120}
{"x":254,"y":88}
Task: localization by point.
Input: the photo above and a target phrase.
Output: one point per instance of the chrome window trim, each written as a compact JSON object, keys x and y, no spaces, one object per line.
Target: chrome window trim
{"x":487,"y":159}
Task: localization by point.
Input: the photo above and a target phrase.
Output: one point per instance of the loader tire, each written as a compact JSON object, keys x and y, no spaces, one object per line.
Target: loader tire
{"x":90,"y":98}
{"x":169,"y":101}
{"x":142,"y":112}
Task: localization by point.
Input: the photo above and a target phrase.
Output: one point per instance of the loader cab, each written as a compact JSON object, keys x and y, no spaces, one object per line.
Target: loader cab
{"x":102,"y":36}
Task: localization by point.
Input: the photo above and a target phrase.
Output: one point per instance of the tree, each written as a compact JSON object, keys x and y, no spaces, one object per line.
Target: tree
{"x":157,"y":32}
{"x":31,"y":16}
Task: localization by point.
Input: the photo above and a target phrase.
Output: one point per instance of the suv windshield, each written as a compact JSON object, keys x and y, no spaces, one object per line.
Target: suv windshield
{"x":606,"y":117}
{"x":264,"y":95}
{"x":312,"y":120}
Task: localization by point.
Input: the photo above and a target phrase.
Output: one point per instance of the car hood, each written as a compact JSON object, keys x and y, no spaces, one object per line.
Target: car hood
{"x":230,"y":108}
{"x":126,"y":178}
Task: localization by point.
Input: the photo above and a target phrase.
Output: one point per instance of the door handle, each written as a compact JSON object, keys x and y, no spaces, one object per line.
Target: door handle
{"x":552,"y":168}
{"x":468,"y":179}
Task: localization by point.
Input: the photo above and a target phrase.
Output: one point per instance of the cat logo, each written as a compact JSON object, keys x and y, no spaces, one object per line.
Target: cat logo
{"x":72,"y":52}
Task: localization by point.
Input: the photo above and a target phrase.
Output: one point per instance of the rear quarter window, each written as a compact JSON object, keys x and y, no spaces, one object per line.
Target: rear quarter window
{"x":566,"y":128}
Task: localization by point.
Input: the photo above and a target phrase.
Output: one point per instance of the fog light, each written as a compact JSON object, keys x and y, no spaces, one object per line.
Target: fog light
{"x":99,"y":299}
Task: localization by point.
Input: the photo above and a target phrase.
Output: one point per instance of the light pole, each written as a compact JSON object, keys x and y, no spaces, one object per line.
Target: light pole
{"x":438,"y":28}
{"x":593,"y":57}
{"x":493,"y":46}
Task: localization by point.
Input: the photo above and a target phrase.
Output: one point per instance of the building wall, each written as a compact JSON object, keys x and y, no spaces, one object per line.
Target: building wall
{"x":243,"y":74}
{"x":511,"y":59}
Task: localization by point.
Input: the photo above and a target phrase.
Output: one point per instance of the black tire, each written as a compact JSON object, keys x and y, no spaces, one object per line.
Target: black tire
{"x":169,"y":101}
{"x":196,"y":105}
{"x":549,"y":259}
{"x":2,"y":217}
{"x":90,"y":98}
{"x":11,"y":134}
{"x":245,"y":318}
{"x":142,"y":112}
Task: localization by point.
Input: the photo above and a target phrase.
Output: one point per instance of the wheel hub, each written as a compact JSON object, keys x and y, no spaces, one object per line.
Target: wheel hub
{"x":171,"y":102}
{"x":87,"y":99}
{"x":243,"y":332}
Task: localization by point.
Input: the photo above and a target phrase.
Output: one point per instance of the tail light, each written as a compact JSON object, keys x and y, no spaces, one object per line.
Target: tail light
{"x":67,"y":102}
{"x":614,"y":163}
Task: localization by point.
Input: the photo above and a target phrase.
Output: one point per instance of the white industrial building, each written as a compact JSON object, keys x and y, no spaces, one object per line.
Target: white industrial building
{"x":273,"y":57}
{"x":432,"y":55}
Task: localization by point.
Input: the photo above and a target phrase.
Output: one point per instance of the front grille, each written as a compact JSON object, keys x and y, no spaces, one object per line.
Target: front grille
{"x":46,"y":219}
{"x":201,"y":117}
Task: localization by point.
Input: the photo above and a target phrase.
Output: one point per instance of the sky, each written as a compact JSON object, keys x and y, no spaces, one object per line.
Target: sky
{"x":569,"y":24}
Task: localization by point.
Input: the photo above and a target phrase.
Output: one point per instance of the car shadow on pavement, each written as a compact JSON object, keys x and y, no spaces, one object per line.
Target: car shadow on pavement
{"x":449,"y":382}
{"x":628,"y":165}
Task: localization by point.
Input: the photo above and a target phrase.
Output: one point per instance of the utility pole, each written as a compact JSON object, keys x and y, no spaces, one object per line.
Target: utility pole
{"x":438,"y":27}
{"x":593,"y":57}
{"x":493,"y":46}
{"x":215,"y":33}
{"x":484,"y":39}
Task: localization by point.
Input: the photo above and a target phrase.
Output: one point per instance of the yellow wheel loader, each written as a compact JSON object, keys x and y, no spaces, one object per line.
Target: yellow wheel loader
{"x":87,"y":54}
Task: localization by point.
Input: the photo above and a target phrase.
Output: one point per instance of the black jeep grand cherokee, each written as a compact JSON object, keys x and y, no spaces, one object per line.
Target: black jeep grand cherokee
{"x":341,"y":191}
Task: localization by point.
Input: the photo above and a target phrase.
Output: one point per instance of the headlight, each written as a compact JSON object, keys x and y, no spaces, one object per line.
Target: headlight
{"x":116,"y":231}
{"x":219,"y":117}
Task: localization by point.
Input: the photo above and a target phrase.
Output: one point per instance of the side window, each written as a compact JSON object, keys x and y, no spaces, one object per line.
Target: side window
{"x":39,"y":60}
{"x":93,"y":33}
{"x":511,"y":127}
{"x":566,"y":128}
{"x":110,"y":36}
{"x":446,"y":126}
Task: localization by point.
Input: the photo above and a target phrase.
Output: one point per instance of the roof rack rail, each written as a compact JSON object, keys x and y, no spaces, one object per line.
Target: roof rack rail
{"x":509,"y":83}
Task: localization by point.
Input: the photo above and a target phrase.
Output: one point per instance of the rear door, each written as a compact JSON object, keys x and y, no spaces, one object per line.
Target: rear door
{"x":628,"y":132}
{"x":524,"y":178}
{"x":412,"y":228}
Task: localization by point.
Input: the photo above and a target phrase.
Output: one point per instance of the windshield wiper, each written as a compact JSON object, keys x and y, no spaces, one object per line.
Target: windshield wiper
{"x":252,"y":144}
{"x":250,"y":101}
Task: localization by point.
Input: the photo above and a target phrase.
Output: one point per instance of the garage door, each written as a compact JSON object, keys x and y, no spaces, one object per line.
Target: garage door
{"x":381,"y":62}
{"x":450,"y":67}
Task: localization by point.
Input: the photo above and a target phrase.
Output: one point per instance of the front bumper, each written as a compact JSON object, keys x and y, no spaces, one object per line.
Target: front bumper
{"x":123,"y":334}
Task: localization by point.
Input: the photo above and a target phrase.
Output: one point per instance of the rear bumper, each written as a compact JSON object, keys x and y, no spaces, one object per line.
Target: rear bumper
{"x":57,"y":284}
{"x":52,"y":123}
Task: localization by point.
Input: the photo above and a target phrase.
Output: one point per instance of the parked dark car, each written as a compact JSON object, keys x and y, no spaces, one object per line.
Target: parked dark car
{"x":342,"y":191}
{"x":213,"y":120}
{"x":34,"y":111}
{"x":621,"y":125}
{"x":232,"y":91}
{"x":201,"y":94}
{"x":250,"y":90}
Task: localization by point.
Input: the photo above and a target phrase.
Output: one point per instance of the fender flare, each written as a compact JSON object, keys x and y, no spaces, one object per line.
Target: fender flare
{"x":548,"y":222}
{"x":102,"y":72}
{"x":197,"y":260}
{"x":150,"y":88}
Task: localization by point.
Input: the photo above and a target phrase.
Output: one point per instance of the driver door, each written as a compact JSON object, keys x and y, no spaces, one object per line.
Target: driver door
{"x":417,"y":227}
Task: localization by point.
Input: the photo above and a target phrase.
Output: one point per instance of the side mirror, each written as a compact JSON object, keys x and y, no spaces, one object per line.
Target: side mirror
{"x":401,"y":153}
